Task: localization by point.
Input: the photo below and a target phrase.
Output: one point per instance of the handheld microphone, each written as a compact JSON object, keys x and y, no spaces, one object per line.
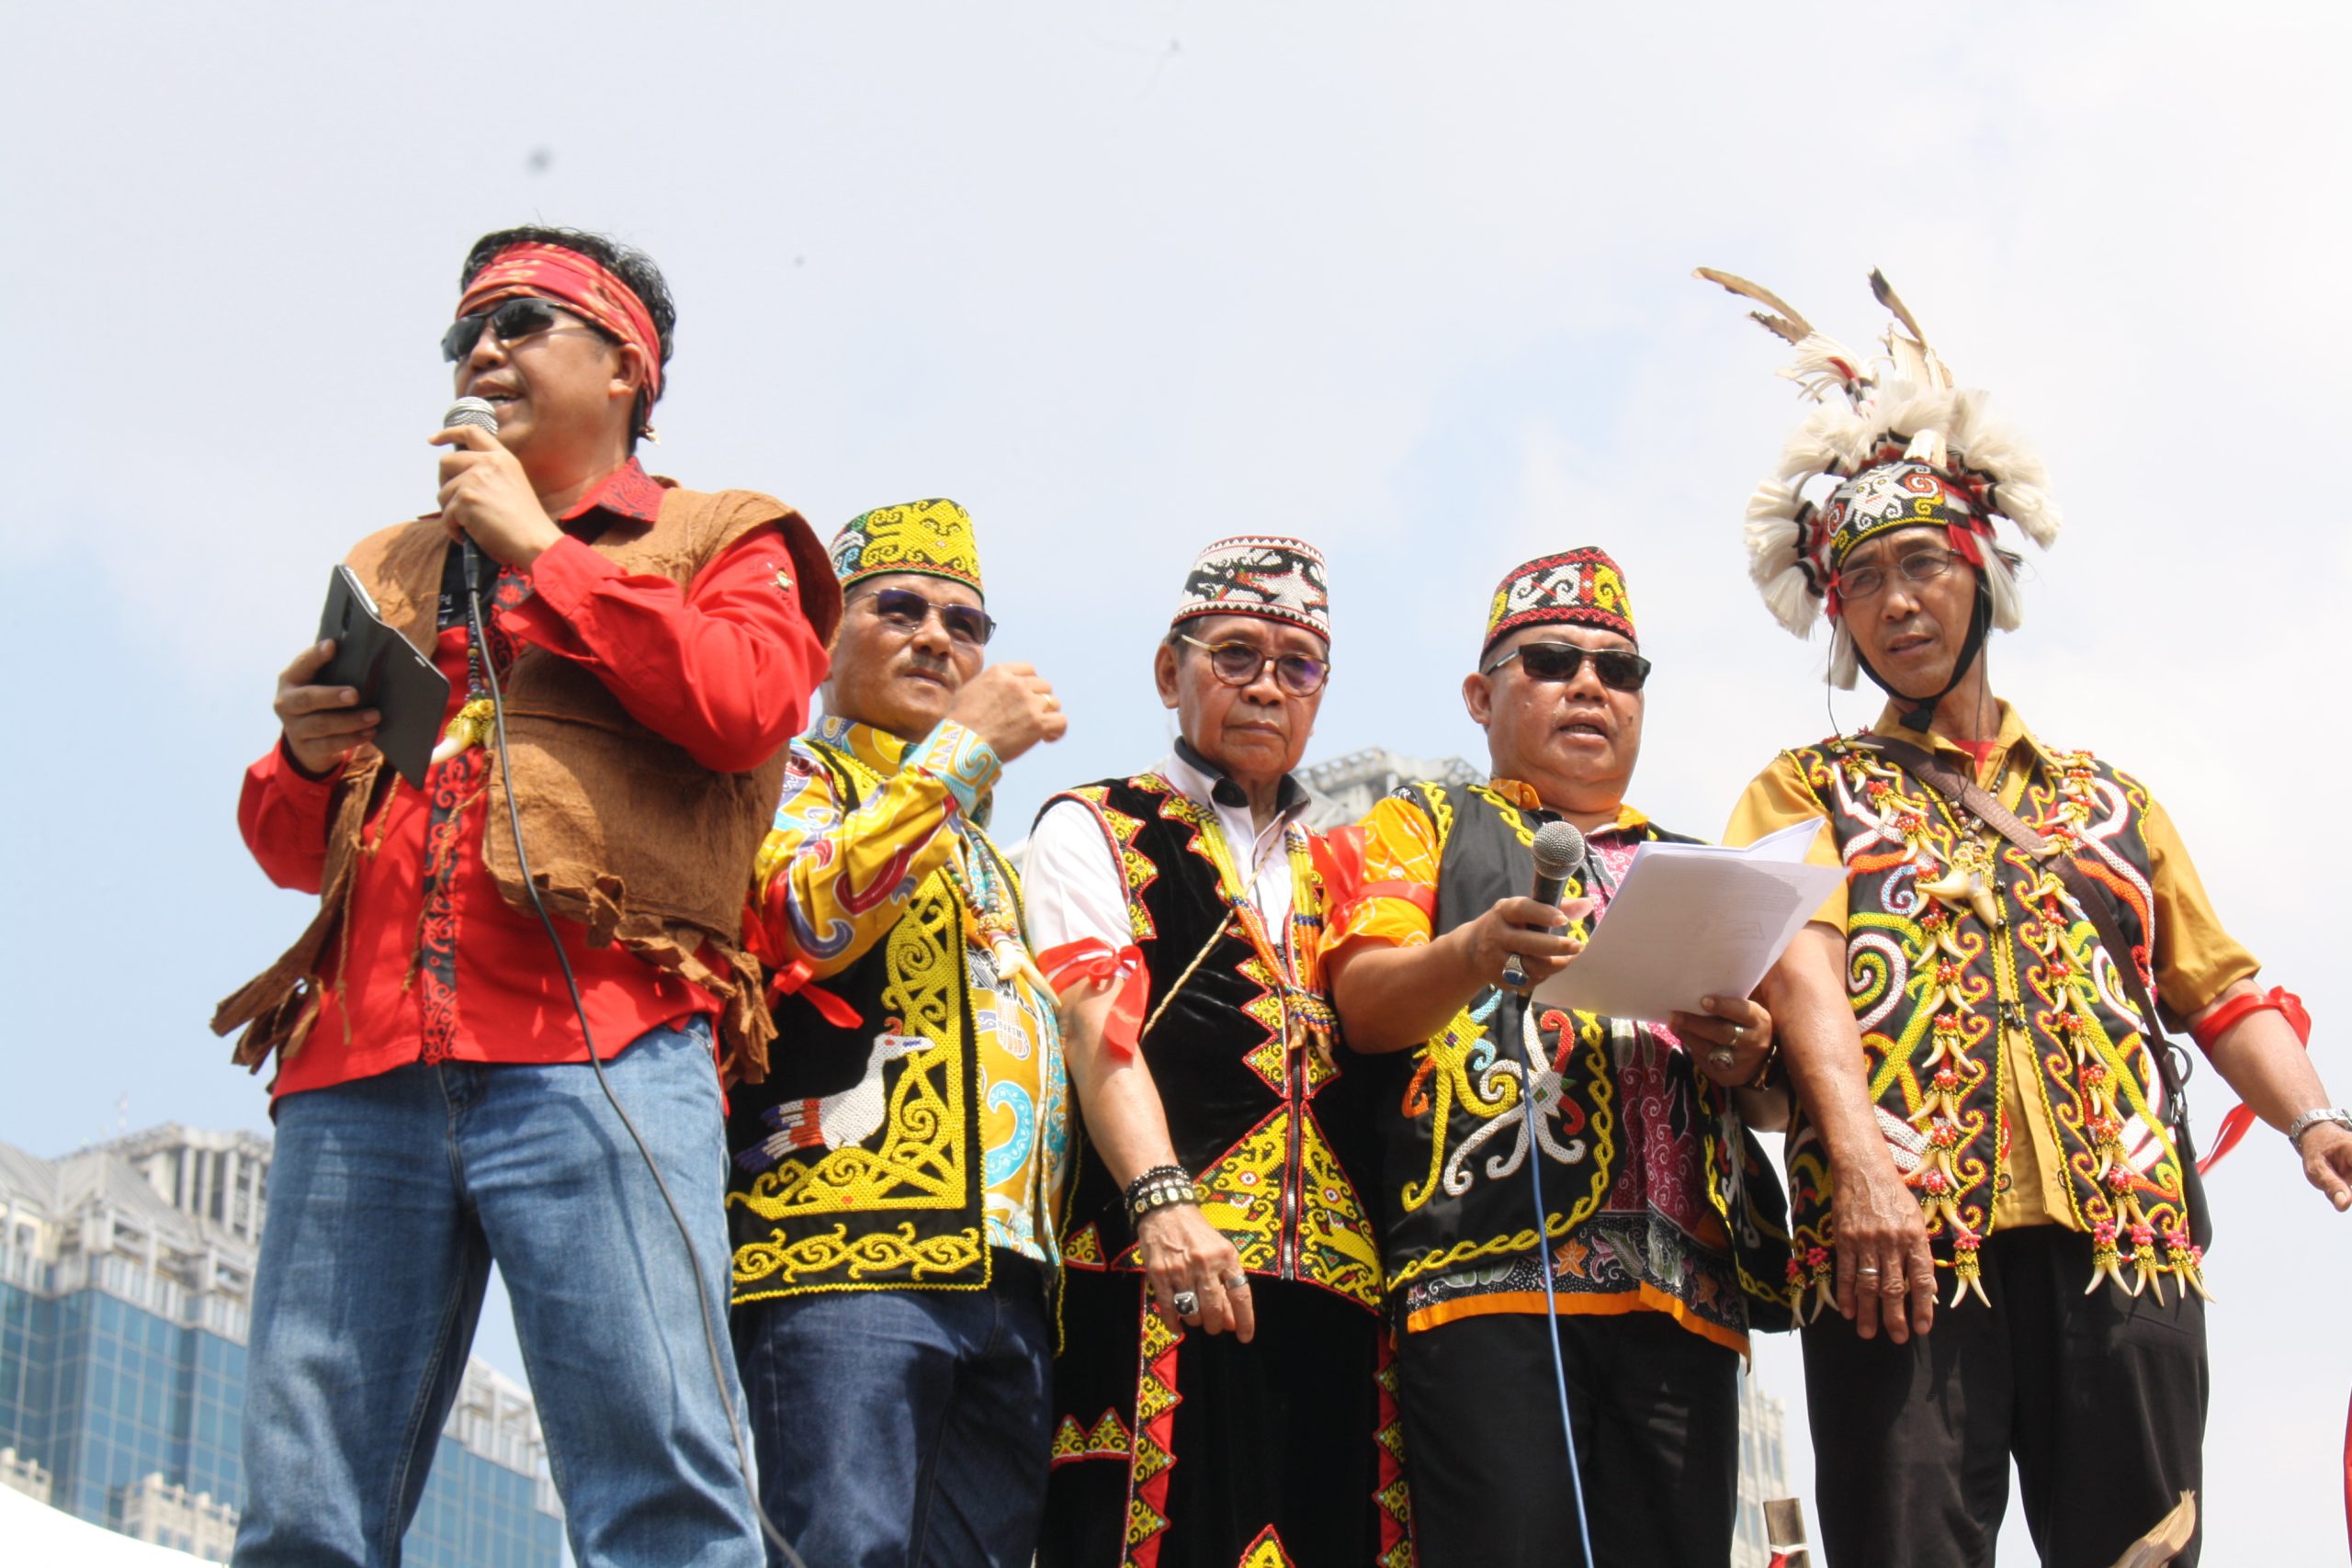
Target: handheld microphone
{"x":477,"y":412}
{"x":1559,"y":854}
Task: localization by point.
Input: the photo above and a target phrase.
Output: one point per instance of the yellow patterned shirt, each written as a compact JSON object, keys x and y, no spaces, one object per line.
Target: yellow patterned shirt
{"x":829,"y":885}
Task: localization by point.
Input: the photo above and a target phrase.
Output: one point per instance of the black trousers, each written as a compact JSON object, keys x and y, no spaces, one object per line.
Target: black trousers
{"x":2100,"y":1398}
{"x":1276,"y":1438}
{"x":1655,"y":1413}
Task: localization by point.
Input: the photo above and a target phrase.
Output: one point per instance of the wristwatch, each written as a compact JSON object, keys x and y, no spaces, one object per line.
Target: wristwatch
{"x":2310,"y":1119}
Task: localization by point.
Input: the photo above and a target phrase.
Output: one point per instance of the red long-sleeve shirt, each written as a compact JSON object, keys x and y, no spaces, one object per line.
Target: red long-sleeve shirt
{"x":433,"y":964}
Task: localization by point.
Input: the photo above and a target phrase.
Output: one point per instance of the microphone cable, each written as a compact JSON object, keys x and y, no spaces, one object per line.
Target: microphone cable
{"x":580,"y":1010}
{"x":1544,"y":1257}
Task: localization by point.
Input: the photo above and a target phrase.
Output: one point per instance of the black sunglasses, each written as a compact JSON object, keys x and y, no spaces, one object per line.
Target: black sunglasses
{"x":1237,"y":664}
{"x":510,"y":320}
{"x":1618,"y":670}
{"x":906,"y":610}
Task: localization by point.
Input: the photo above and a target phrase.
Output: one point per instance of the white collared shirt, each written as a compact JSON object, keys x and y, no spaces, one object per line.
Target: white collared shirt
{"x":1077,"y":889}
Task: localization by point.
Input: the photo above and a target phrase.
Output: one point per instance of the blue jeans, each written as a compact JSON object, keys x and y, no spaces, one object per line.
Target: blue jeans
{"x":389,"y":1198}
{"x":904,"y":1429}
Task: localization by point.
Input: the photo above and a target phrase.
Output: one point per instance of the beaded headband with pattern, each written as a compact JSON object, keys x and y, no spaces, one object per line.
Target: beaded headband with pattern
{"x":932,"y":537}
{"x":1263,"y":575}
{"x":1582,"y":587}
{"x":1906,"y":449}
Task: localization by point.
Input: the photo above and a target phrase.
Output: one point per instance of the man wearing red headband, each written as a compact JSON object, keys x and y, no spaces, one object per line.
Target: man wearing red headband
{"x":436,"y":1105}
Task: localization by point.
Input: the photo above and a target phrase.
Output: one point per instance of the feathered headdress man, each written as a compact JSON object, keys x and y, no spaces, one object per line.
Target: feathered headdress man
{"x":1901,"y":446}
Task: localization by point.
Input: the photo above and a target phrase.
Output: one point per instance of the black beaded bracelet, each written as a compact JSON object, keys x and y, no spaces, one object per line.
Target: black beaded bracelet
{"x":1157,"y":1188}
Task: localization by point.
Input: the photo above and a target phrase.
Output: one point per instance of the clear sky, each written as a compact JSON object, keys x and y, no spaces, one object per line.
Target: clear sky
{"x":1411,"y":282}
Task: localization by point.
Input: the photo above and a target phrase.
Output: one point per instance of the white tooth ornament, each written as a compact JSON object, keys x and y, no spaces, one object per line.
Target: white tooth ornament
{"x":2188,"y":1261}
{"x":2143,"y":1262}
{"x":2105,"y":1262}
{"x":470,"y":726}
{"x":1013,"y":959}
{"x":1967,"y":880}
{"x":1967,"y":1267}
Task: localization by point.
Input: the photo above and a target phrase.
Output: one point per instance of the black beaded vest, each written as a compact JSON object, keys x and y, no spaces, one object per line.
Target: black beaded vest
{"x":1239,"y":1037}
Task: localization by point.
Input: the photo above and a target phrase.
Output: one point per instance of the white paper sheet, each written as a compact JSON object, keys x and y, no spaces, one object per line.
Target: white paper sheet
{"x":1694,"y":921}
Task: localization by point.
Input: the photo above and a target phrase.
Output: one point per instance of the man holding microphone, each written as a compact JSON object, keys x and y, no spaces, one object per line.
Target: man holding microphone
{"x":436,"y":1105}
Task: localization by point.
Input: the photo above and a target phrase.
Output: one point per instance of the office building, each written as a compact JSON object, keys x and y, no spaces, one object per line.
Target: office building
{"x":126,"y":1276}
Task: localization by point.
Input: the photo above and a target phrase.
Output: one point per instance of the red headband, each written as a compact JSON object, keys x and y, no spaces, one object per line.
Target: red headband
{"x":577,"y":283}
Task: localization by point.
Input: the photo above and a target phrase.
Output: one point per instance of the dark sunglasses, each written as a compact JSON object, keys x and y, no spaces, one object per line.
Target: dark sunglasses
{"x":906,"y":610}
{"x":510,"y":320}
{"x":1618,"y":670}
{"x":1239,"y":664}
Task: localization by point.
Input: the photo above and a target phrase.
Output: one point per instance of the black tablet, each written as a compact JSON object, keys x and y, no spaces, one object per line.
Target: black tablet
{"x":389,"y":673}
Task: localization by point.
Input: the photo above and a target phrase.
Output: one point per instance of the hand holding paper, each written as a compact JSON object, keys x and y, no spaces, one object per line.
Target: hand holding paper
{"x":1694,"y":921}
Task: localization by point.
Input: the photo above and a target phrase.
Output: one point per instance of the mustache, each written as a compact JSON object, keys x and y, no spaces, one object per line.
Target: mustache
{"x":917,"y":662}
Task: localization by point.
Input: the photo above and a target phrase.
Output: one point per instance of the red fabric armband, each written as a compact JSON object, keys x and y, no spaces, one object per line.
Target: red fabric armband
{"x":1338,"y":865}
{"x":1092,"y":958}
{"x":2240,"y":1119}
{"x":2281,"y":1000}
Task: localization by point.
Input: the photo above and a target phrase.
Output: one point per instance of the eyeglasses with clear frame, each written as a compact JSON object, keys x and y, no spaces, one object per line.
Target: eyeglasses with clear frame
{"x":1917,"y":567}
{"x":1239,"y":664}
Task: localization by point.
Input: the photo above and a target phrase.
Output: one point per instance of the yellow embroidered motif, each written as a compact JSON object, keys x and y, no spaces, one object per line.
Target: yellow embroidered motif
{"x":1485,"y":1096}
{"x":1241,"y":1193}
{"x":895,"y":1254}
{"x":1107,"y":1439}
{"x":1136,"y":866}
{"x":934,"y":537}
{"x":921,"y":1162}
{"x":1266,"y":1551}
{"x":1337,"y":1245}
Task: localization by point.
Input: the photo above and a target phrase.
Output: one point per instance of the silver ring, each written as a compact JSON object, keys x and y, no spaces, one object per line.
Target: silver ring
{"x":1239,"y":1283}
{"x":1866,"y":1269}
{"x":1738,"y":1032}
{"x":1186,"y":1303}
{"x":1722,"y":1057}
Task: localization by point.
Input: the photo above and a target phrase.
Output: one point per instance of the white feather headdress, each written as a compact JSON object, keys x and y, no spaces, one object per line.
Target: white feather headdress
{"x":1902,"y":406}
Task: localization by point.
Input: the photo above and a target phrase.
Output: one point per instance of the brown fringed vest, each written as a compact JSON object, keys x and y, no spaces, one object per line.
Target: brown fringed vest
{"x":627,"y":834}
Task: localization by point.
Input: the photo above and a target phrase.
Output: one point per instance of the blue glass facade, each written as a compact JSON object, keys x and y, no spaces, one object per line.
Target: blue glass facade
{"x":104,"y":1392}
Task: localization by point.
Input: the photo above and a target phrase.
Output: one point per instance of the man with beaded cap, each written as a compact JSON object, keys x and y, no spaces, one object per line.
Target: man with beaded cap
{"x":1666,"y":1246}
{"x":1220,"y":1399}
{"x":897,"y":1172}
{"x":1971,"y":1022}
